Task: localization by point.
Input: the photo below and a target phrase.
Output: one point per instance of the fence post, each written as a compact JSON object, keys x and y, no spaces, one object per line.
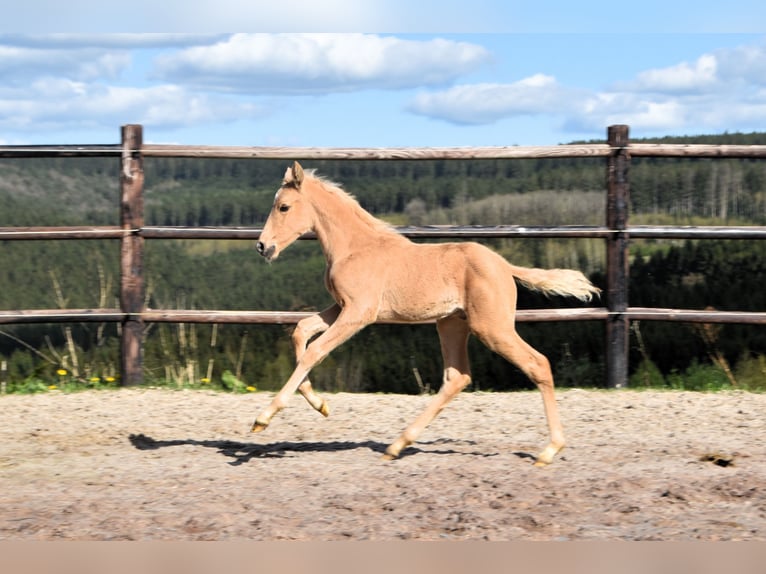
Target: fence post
{"x":132,"y":255}
{"x":617,"y":206}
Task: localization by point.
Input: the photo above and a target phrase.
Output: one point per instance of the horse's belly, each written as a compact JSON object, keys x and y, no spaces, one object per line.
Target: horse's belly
{"x":424,"y":283}
{"x":417,"y":309}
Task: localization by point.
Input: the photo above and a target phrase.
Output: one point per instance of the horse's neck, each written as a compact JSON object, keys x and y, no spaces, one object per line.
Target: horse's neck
{"x":343,"y":227}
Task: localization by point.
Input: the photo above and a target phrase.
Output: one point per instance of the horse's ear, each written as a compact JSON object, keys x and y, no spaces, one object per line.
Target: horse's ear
{"x":297,"y":174}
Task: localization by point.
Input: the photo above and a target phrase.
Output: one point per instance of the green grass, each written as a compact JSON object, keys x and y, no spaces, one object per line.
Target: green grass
{"x":749,"y":375}
{"x":65,"y":383}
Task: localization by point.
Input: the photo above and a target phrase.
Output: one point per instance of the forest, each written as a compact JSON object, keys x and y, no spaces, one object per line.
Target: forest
{"x":228,"y":274}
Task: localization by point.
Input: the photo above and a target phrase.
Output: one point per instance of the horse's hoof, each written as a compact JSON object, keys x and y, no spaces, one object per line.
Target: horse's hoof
{"x":325,"y":409}
{"x":547,"y":455}
{"x":258,"y":427}
{"x":390,"y":454}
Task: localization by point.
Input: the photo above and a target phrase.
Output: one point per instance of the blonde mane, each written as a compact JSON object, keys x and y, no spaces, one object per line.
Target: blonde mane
{"x":350,"y":201}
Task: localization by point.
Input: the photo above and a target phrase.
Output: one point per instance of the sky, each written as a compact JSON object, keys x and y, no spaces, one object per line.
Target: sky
{"x":378,"y":73}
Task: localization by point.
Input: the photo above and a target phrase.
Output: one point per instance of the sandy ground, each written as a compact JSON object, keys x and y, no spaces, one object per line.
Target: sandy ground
{"x":148,"y":464}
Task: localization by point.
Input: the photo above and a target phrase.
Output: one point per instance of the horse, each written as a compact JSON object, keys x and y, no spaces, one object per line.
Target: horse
{"x":376,"y":274}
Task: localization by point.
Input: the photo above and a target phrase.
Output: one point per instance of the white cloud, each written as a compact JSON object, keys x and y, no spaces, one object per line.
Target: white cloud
{"x":743,"y":64}
{"x":683,"y":77}
{"x":61,"y":104}
{"x":19,"y":64}
{"x":72,"y":82}
{"x":723,"y":90}
{"x":640,"y":113}
{"x":486,"y":103}
{"x":661,"y":114}
{"x":319,"y":63}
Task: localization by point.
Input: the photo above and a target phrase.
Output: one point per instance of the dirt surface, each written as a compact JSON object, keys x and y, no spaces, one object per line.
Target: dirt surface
{"x":181,"y":465}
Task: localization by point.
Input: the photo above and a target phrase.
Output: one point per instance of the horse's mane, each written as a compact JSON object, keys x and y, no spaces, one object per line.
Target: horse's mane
{"x":349,"y":200}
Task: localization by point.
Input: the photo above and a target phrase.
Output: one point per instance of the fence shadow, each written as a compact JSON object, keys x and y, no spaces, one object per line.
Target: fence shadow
{"x":242,"y":452}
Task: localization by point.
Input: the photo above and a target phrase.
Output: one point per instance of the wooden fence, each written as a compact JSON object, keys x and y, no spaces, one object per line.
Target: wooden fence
{"x":617,"y":153}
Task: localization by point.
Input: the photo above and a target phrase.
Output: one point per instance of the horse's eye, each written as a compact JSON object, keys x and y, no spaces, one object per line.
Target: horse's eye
{"x":284,"y":208}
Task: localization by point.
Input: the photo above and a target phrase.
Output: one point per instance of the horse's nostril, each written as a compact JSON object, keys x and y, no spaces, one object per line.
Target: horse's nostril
{"x":267,"y":252}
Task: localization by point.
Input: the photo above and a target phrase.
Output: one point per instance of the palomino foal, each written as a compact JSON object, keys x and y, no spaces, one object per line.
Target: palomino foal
{"x":375,"y":274}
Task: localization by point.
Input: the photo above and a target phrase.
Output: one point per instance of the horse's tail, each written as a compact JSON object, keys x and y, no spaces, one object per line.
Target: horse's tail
{"x":564,"y":282}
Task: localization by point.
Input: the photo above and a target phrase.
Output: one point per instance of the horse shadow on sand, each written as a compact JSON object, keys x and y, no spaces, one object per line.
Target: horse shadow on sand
{"x":243,"y":452}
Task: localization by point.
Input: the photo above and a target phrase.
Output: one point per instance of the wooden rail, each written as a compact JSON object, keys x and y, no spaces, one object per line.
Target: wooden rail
{"x":409,"y":153}
{"x":415,"y":232}
{"x":292,"y":317}
{"x":132,"y":233}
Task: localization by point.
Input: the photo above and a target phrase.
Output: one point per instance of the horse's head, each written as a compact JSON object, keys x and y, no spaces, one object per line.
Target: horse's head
{"x":291,"y":215}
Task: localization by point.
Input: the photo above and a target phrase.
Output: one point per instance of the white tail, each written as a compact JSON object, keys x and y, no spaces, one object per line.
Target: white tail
{"x":563,"y":282}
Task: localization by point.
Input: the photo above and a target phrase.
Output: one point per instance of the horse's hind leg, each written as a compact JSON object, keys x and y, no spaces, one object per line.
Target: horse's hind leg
{"x":504,"y":340}
{"x":304,"y":331}
{"x":453,"y":335}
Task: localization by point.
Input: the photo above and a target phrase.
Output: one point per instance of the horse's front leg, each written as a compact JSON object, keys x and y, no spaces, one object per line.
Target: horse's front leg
{"x":345,"y":326}
{"x":304,"y":331}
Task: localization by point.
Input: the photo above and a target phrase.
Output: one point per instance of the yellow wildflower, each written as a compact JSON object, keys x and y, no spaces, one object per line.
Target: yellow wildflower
{"x":61,"y":372}
{"x":52,"y":387}
{"x":251,"y":389}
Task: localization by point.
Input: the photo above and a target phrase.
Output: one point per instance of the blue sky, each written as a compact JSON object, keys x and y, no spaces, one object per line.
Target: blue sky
{"x":345,"y":73}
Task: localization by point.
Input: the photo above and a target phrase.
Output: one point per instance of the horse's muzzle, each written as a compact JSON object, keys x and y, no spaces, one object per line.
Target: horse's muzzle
{"x":267,"y":252}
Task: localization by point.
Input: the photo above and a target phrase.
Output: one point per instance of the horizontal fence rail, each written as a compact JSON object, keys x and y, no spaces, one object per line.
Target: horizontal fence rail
{"x":414,"y":232}
{"x":132,"y":232}
{"x":17,"y":151}
{"x":409,"y":153}
{"x":292,"y":317}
